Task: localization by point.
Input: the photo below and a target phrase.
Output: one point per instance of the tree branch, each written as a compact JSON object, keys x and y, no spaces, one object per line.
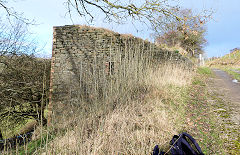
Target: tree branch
{"x":145,"y":11}
{"x":11,"y":13}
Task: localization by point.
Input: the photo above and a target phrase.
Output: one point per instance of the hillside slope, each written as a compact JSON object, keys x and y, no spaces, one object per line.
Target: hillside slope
{"x":232,"y":59}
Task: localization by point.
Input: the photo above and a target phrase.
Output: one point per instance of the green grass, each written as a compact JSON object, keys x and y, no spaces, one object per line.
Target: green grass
{"x":196,"y":116}
{"x":205,"y":127}
{"x":232,"y":73}
{"x":35,"y":145}
{"x":32,"y":146}
{"x":199,"y":82}
{"x":204,"y":71}
{"x":237,"y":146}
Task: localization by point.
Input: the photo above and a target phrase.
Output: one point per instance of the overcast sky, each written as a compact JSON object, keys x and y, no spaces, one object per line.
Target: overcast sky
{"x":223,"y":32}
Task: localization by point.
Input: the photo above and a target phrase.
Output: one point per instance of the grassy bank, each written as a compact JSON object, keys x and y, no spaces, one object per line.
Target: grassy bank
{"x":201,"y":119}
{"x":229,"y":60}
{"x":135,"y":127}
{"x":230,"y":63}
{"x":224,"y":133}
{"x":175,"y":100}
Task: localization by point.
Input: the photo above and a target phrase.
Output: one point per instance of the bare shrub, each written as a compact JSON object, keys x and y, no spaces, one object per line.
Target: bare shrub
{"x":21,"y":91}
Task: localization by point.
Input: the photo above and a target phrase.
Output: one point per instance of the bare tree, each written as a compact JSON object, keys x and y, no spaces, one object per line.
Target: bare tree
{"x":15,"y":39}
{"x":10,"y":12}
{"x":119,"y":11}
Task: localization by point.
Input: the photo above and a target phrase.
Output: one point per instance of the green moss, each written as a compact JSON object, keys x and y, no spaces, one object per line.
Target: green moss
{"x":176,"y":51}
{"x":45,"y":113}
{"x":11,"y":127}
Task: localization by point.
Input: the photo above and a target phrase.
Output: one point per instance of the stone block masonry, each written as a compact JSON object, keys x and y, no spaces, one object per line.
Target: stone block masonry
{"x":85,"y":59}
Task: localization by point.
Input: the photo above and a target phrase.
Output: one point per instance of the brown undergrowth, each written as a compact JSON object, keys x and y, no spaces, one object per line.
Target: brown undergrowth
{"x":172,"y":102}
{"x":151,"y":117}
{"x":22,"y":95}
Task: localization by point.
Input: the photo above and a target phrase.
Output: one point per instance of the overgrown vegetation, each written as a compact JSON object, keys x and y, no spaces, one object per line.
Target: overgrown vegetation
{"x":230,"y":63}
{"x":170,"y":99}
{"x":143,"y":104}
{"x":24,"y":80}
{"x":170,"y":105}
{"x":147,"y":118}
{"x":24,"y":86}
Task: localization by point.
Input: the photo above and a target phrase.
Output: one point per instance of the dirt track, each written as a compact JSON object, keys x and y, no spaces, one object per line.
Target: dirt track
{"x":223,"y":84}
{"x":224,"y":94}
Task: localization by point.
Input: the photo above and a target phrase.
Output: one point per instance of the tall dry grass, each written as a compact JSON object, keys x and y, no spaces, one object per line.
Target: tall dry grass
{"x":134,"y":127}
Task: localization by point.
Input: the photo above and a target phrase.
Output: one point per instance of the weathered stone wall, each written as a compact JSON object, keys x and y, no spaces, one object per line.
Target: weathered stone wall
{"x":84,"y":58}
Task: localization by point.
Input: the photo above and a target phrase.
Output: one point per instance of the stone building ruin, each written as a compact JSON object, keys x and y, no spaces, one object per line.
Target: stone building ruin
{"x":85,"y":58}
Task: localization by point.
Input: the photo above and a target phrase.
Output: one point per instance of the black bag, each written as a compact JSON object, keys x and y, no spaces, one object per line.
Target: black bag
{"x":182,"y":144}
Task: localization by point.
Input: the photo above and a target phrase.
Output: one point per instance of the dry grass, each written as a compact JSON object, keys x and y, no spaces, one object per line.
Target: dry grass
{"x":132,"y":128}
{"x":229,"y":60}
{"x":169,"y":74}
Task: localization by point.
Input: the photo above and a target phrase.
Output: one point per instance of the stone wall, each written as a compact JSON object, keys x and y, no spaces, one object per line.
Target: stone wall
{"x":84,"y":59}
